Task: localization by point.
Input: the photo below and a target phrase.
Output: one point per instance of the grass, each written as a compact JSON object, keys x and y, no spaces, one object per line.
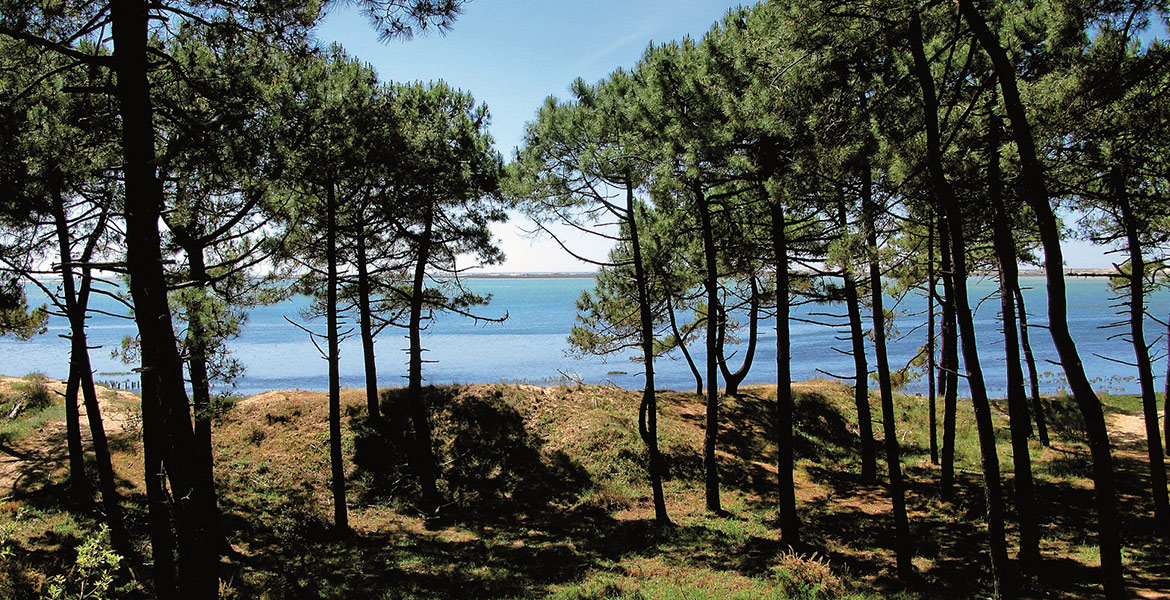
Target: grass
{"x":655,"y":579}
{"x":550,"y":498}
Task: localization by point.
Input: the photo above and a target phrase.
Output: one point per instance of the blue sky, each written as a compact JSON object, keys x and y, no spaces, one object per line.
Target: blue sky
{"x":512,"y":54}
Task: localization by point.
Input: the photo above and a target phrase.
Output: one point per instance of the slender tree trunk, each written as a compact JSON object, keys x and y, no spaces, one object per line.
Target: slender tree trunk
{"x":648,"y":413}
{"x":682,"y":345}
{"x":119,"y":538}
{"x":1090,"y":406}
{"x":1011,"y":292}
{"x":79,"y":488}
{"x":1030,"y":360}
{"x":1166,"y":394}
{"x":111,"y":502}
{"x":367,"y":330}
{"x":942,"y":330}
{"x":931,"y":281}
{"x":785,"y":459}
{"x":201,"y":389}
{"x":733,"y":380}
{"x":81,"y":377}
{"x":336,"y":460}
{"x":164,"y":398}
{"x":423,"y":453}
{"x":860,"y":366}
{"x":197,"y":364}
{"x":711,"y":281}
{"x":1004,"y":585}
{"x":721,"y":338}
{"x":1020,"y":422}
{"x":1137,"y":334}
{"x":902,"y":544}
{"x":949,"y":369}
{"x":986,"y":432}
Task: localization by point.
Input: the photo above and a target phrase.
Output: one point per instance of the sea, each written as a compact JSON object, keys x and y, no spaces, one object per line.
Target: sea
{"x":531,"y":345}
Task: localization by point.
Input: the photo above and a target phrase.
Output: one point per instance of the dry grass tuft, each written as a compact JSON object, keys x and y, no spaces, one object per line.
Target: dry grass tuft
{"x":808,"y":575}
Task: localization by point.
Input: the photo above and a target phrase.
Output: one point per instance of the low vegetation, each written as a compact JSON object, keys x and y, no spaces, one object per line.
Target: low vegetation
{"x":26,"y":404}
{"x":550,"y":498}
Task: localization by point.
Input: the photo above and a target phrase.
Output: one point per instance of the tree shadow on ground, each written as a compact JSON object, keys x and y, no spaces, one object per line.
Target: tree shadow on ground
{"x":522,"y":558}
{"x":852,"y":523}
{"x":40,"y":469}
{"x":524,"y":518}
{"x":527,"y":518}
{"x":491,"y":465}
{"x":41,"y":501}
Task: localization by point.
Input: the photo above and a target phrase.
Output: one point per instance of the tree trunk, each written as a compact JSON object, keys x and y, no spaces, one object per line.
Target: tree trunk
{"x":949,"y":368}
{"x":648,"y":412}
{"x":336,"y":460}
{"x":785,"y":459}
{"x":902,"y":544}
{"x":733,"y":380}
{"x":201,"y":389}
{"x":162,"y":539}
{"x":81,"y":376}
{"x":79,"y":490}
{"x":367,"y":330}
{"x":197,"y":364}
{"x":1020,"y":422}
{"x":424,"y":457}
{"x":1090,"y":406}
{"x":931,"y":282}
{"x":1137,"y":334}
{"x":860,"y":366}
{"x":711,"y":281}
{"x":986,"y":432}
{"x":164,"y":398}
{"x":682,"y":345}
{"x":1004,"y":586}
{"x":1030,"y":360}
{"x":119,"y":538}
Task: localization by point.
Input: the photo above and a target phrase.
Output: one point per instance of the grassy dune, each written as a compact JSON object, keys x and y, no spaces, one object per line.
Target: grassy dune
{"x":549,"y":497}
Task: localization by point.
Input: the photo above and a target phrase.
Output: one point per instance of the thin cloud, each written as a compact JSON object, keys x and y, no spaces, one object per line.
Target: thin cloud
{"x":641,"y":34}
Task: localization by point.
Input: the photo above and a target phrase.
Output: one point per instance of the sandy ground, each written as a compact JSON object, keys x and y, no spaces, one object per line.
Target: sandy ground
{"x":43,"y":453}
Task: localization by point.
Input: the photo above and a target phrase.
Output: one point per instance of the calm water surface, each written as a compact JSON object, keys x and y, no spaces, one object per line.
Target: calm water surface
{"x":531,"y":345}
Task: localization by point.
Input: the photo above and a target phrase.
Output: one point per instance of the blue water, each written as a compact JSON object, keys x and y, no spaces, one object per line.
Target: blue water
{"x":531,"y":345}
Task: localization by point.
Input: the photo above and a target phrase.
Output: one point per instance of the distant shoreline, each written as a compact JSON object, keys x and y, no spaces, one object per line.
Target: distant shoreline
{"x":523,"y":275}
{"x":1074,"y":272}
{"x":1068,"y":272}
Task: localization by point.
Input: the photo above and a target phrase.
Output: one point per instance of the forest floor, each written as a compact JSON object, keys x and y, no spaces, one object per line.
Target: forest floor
{"x":549,"y":497}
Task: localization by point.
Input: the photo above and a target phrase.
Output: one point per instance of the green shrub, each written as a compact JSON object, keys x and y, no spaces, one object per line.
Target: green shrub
{"x":93,"y":573}
{"x":26,"y":409}
{"x":36,"y":396}
{"x":220,"y":406}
